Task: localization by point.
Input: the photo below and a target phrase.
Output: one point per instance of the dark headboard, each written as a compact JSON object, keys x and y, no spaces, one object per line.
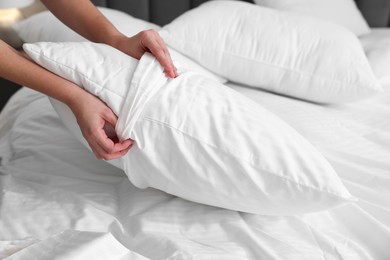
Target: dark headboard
{"x":376,"y":12}
{"x":157,"y":11}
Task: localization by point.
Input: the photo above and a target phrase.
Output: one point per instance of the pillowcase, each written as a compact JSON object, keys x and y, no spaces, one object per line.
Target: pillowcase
{"x":295,"y":56}
{"x":341,"y":12}
{"x":377,"y":48}
{"x":196,"y":138}
{"x":45,"y":27}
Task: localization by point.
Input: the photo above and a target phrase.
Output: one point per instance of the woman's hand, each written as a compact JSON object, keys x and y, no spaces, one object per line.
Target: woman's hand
{"x":147,"y":41}
{"x":84,"y":18}
{"x":95,"y":119}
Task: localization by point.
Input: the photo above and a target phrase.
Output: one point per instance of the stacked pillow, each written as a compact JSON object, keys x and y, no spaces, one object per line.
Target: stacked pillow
{"x":341,"y":12}
{"x":298,"y":56}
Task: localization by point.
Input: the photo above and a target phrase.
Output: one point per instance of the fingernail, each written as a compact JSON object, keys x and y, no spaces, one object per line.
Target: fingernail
{"x":170,"y":74}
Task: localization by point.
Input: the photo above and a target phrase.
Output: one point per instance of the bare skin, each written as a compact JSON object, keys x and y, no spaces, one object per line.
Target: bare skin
{"x":92,"y":114}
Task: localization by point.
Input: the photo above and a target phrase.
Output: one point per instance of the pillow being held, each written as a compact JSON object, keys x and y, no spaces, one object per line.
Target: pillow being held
{"x":196,"y":138}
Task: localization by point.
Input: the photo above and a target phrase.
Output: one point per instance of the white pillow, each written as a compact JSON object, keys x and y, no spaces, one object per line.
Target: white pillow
{"x":296,"y":56}
{"x":377,"y":48}
{"x":341,"y":12}
{"x":45,"y":27}
{"x":196,"y":138}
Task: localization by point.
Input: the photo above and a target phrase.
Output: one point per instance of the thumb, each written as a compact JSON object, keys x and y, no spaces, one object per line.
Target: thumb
{"x":109,"y":126}
{"x":110,"y":117}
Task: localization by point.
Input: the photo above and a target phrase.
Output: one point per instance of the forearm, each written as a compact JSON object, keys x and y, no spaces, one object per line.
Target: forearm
{"x":17,"y":68}
{"x":84,"y":18}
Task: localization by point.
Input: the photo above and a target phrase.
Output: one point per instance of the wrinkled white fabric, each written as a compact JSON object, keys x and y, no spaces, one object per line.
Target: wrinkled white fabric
{"x":77,"y":245}
{"x":288,"y":54}
{"x":52,"y":183}
{"x":52,"y":178}
{"x":198,"y":140}
{"x":195,"y":138}
{"x":341,"y":12}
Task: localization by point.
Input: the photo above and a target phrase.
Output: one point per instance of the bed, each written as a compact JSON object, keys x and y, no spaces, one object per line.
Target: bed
{"x":59,"y":202}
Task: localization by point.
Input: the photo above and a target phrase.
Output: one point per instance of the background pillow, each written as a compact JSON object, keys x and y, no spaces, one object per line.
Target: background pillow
{"x":296,"y":56}
{"x":341,"y":12}
{"x":45,"y":27}
{"x":214,"y":146}
{"x":377,"y":48}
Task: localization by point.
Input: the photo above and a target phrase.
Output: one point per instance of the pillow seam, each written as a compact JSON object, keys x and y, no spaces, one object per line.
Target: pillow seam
{"x":305,"y":74}
{"x":284,"y":178}
{"x":75,"y":70}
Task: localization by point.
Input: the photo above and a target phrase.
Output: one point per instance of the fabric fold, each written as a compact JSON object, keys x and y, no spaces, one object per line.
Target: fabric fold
{"x":140,"y":93}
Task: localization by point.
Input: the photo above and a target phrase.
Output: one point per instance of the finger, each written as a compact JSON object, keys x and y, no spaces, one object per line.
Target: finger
{"x":157,"y":47}
{"x":96,"y":149}
{"x":167,"y":53}
{"x":101,"y":154}
{"x":111,"y":156}
{"x":108,"y":145}
{"x":111,"y":119}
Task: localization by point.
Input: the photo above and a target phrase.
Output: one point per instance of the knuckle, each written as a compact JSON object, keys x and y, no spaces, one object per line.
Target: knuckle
{"x":106,"y":110}
{"x":106,"y":157}
{"x":148,"y":34}
{"x":159,"y":51}
{"x":93,"y":134}
{"x":110,"y":150}
{"x":88,"y":133}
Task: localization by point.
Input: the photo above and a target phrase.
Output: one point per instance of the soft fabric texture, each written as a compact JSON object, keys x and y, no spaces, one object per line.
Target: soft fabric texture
{"x":297,"y":56}
{"x":45,"y":27}
{"x":377,"y":48}
{"x":341,"y":12}
{"x":197,"y":139}
{"x":53,"y":178}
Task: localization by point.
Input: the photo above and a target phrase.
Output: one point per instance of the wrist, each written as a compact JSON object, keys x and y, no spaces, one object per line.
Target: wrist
{"x":117,"y":41}
{"x":74,"y":97}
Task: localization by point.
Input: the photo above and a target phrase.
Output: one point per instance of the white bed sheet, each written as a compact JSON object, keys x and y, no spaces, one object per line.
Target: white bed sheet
{"x":59,"y":202}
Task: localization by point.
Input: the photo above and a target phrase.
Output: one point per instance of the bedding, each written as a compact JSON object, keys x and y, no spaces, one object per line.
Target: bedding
{"x":59,"y":202}
{"x":215,"y":147}
{"x":45,"y":27}
{"x":342,"y":12}
{"x":291,"y":55}
{"x":377,"y":49}
{"x":51,"y":176}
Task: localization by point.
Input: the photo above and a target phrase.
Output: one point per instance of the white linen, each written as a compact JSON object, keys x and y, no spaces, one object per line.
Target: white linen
{"x":284,"y":53}
{"x":342,"y":12}
{"x":214,"y":145}
{"x":72,"y":190}
{"x":45,"y":27}
{"x":77,"y":245}
{"x":51,"y":177}
{"x":377,"y":48}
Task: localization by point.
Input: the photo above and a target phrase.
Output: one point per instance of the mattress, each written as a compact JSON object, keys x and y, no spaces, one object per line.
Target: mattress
{"x":59,"y":202}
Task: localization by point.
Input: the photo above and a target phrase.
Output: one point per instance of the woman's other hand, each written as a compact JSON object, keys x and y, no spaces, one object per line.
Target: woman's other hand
{"x":147,"y":41}
{"x":84,"y":18}
{"x":95,"y":118}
